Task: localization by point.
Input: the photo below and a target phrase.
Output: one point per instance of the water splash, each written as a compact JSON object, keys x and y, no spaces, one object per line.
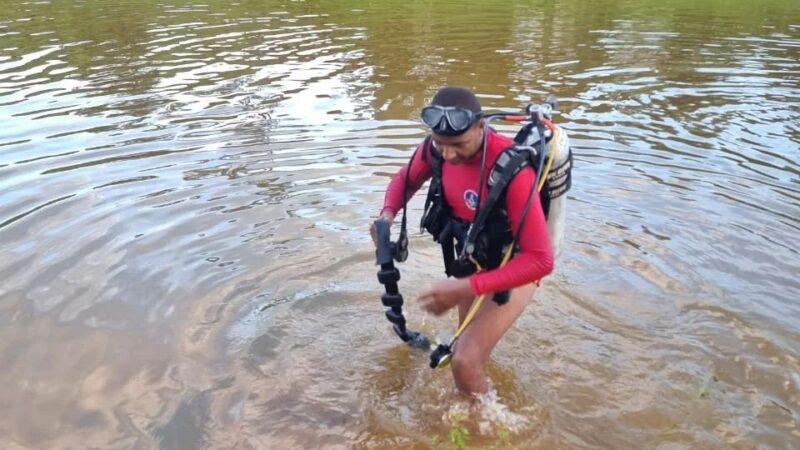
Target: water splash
{"x":492,"y":416}
{"x":496,"y":416}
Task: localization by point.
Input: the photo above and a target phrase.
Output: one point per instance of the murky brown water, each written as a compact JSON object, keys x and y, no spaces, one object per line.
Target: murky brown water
{"x":187,"y":186}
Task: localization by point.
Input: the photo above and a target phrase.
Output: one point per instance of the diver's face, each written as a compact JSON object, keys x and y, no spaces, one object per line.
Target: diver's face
{"x":457,"y":149}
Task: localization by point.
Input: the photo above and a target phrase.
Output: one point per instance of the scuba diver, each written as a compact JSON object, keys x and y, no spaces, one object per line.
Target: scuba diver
{"x":484,"y":210}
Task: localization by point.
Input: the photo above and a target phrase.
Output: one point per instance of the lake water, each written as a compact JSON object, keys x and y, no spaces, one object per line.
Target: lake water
{"x":186,"y":189}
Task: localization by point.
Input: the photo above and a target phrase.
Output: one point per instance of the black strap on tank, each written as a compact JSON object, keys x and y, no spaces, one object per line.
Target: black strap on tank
{"x":559,"y":180}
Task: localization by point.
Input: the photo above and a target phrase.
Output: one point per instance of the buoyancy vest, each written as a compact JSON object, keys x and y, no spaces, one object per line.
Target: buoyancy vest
{"x":468,"y":247}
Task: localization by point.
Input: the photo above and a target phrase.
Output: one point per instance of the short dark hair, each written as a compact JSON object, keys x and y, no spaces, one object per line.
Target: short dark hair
{"x":457,"y":96}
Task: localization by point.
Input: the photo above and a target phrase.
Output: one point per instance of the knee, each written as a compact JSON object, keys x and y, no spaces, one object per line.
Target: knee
{"x":466,"y":362}
{"x":468,"y":371}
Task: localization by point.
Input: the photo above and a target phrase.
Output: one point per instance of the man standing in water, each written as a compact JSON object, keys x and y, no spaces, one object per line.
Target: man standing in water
{"x":453,"y":157}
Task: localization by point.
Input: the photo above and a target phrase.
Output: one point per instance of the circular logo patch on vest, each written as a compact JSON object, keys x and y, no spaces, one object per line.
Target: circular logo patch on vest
{"x":471,"y":199}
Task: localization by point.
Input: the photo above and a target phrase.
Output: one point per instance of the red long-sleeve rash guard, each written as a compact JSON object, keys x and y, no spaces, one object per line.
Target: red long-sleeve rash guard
{"x":535,"y":257}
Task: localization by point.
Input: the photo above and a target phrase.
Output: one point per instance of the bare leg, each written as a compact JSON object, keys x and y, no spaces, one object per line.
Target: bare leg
{"x":463,"y":309}
{"x":475,"y":345}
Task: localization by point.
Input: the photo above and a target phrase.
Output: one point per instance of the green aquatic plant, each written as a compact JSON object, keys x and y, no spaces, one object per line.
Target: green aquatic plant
{"x":704,"y":391}
{"x":457,"y":417}
{"x":504,"y":436}
{"x":458,"y":434}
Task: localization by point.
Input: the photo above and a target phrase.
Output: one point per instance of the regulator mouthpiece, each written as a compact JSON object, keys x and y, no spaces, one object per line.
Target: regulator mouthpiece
{"x":441,"y":356}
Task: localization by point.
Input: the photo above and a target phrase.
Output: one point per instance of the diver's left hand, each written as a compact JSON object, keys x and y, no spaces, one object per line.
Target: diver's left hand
{"x":445,"y":294}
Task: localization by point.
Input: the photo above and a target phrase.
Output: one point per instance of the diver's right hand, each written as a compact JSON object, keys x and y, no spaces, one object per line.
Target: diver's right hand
{"x":387,"y":216}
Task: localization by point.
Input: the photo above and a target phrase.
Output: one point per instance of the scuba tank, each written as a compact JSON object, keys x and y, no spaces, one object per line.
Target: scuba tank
{"x":558,"y":173}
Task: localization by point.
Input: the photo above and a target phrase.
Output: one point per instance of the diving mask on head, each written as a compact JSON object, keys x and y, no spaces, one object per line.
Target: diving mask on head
{"x":448,"y":120}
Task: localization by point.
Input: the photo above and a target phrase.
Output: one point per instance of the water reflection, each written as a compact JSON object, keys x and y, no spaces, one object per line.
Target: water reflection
{"x":186,"y":190}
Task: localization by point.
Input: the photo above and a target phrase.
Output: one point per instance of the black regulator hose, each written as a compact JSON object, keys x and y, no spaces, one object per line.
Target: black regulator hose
{"x":386,"y":252}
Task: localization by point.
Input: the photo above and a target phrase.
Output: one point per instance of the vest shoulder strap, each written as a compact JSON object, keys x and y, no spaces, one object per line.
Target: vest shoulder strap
{"x":507,"y":165}
{"x":435,"y":190}
{"x":436,"y":159}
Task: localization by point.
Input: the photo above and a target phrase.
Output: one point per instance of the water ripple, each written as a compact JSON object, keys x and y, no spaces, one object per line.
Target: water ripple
{"x":189,"y":186}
